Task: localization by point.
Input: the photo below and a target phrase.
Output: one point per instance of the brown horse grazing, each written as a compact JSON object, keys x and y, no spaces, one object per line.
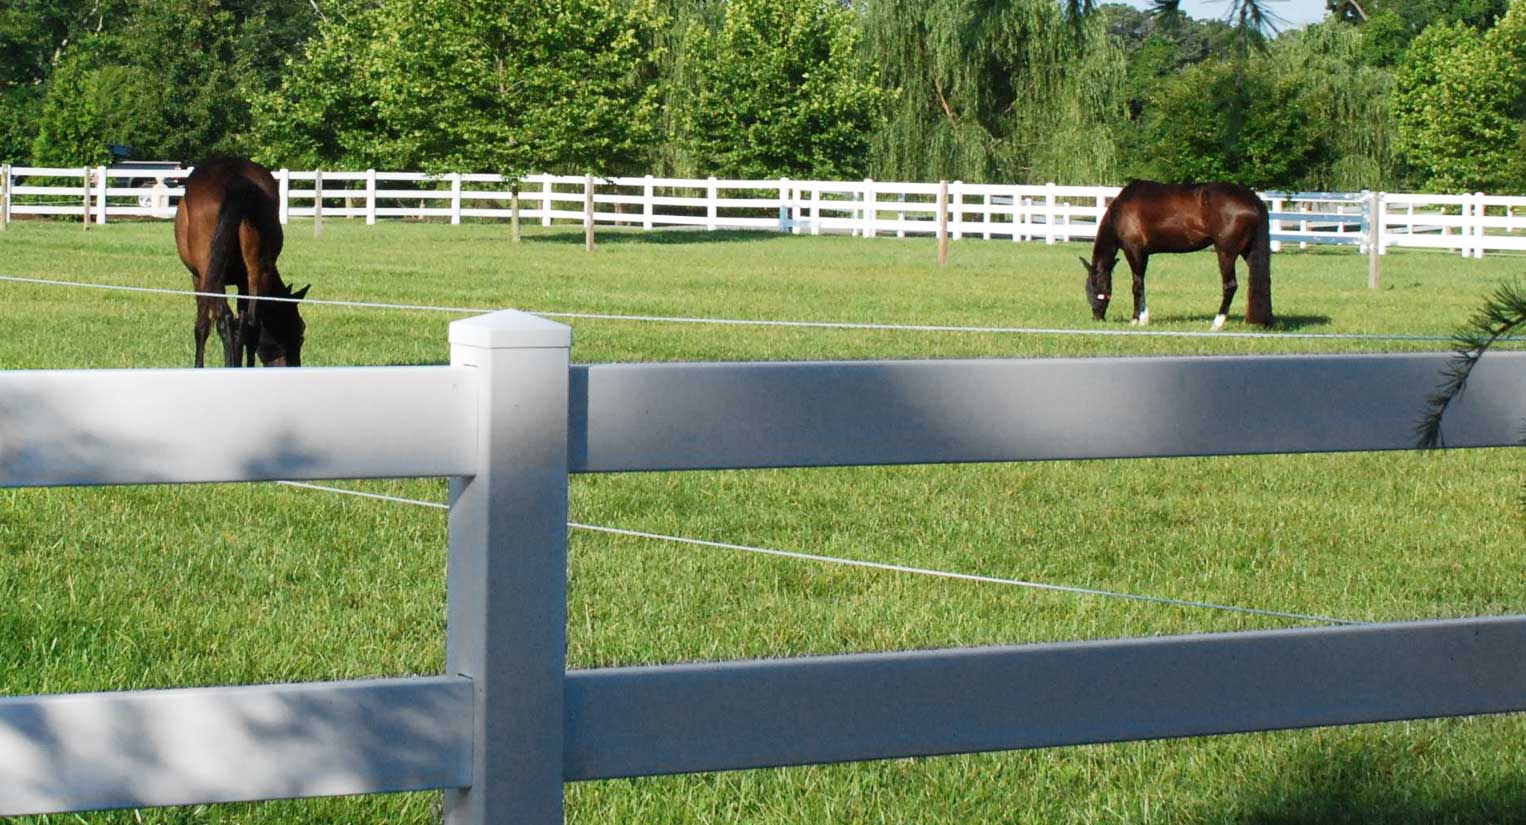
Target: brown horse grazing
{"x":1151,"y":217}
{"x":228,"y":231}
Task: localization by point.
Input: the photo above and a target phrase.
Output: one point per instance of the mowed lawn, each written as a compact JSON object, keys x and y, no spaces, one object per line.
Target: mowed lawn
{"x":135,"y":587}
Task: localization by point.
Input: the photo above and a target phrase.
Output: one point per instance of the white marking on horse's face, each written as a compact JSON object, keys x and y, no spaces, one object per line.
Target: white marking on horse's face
{"x":1218,"y":323}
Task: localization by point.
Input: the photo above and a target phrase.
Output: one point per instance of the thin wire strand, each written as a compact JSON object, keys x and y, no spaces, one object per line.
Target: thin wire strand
{"x":836,"y":325}
{"x":872,"y":565}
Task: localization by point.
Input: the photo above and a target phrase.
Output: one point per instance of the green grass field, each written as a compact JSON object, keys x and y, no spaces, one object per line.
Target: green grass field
{"x":135,"y":587}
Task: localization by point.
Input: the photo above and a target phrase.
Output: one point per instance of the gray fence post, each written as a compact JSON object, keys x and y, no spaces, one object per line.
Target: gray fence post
{"x":506,"y":578}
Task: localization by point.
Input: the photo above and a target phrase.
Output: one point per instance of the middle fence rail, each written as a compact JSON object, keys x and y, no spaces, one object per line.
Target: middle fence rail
{"x":511,"y":418}
{"x":1467,"y":224}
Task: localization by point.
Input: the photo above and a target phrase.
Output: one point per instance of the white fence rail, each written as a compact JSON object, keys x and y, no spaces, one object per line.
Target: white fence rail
{"x":511,"y":418}
{"x":1467,"y":224}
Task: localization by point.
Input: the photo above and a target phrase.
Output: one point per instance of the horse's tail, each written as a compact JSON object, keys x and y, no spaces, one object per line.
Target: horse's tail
{"x":1258,"y":306}
{"x":240,"y":201}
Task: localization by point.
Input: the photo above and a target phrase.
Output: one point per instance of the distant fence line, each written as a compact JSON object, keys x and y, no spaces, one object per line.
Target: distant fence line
{"x":1469,"y":224}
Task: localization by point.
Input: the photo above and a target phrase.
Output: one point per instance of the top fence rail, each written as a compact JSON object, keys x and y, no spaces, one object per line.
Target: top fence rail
{"x":1468,"y":224}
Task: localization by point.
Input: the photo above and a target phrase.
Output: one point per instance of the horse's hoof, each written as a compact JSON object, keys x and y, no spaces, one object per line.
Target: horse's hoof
{"x":1218,"y":323}
{"x":1143,"y":319}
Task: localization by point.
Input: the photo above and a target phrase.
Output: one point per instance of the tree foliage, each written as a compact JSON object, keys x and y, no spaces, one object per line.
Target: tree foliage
{"x":1456,"y":98}
{"x":513,"y":86}
{"x":994,"y":90}
{"x":777,"y":90}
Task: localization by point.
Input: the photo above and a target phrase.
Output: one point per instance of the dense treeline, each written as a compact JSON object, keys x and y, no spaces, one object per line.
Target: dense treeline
{"x":1394,"y":94}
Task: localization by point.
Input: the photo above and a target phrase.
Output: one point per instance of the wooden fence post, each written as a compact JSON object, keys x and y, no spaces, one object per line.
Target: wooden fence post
{"x":506,"y":575}
{"x":317,"y":202}
{"x":588,"y":213}
{"x":85,"y":213}
{"x":942,"y":223}
{"x":515,"y":235}
{"x":283,"y":187}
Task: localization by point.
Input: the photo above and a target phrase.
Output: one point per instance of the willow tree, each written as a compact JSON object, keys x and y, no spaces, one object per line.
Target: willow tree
{"x":988,"y":90}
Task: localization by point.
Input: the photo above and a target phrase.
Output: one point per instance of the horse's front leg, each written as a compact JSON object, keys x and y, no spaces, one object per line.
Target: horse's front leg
{"x":1137,"y":263}
{"x":1227,"y":274}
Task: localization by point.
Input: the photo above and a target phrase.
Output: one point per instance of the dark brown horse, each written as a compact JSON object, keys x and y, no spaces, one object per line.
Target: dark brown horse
{"x":1149,"y":217}
{"x":228,"y":231}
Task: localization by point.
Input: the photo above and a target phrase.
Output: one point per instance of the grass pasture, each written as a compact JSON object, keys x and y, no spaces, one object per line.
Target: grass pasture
{"x":136,"y":587}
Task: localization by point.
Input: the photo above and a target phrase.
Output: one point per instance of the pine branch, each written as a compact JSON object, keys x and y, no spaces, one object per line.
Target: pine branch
{"x":1503,"y":313}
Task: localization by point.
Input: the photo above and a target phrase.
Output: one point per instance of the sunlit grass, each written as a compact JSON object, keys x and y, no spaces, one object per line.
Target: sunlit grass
{"x":154,"y":586}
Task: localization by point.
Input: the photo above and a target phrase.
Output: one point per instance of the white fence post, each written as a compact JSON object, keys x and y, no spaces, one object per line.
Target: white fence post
{"x":710,"y":205}
{"x":816,"y":210}
{"x":370,"y":197}
{"x":455,"y":198}
{"x":5,"y":196}
{"x":283,"y":194}
{"x":100,"y":198}
{"x":785,"y":224}
{"x":317,"y":202}
{"x":545,"y":201}
{"x":1373,"y":206}
{"x":85,"y":202}
{"x":985,"y":218}
{"x":646,"y":202}
{"x":868,"y":208}
{"x":1049,"y":218}
{"x":506,"y":577}
{"x":956,"y":203}
{"x":1276,"y":225}
{"x":1480,"y":212}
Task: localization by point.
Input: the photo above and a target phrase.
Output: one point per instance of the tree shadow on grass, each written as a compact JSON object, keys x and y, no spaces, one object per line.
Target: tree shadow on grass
{"x":1374,"y":782}
{"x":653,"y":237}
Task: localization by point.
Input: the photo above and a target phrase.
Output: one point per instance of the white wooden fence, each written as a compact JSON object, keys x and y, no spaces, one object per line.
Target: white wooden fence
{"x":510,"y":418}
{"x":1467,"y":224}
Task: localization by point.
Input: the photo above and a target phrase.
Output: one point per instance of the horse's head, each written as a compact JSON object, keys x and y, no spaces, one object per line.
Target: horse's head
{"x":282,"y":330}
{"x":1099,"y":285}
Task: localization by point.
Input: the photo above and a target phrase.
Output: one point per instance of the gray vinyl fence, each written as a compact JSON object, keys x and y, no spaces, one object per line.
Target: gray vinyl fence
{"x":510,"y":418}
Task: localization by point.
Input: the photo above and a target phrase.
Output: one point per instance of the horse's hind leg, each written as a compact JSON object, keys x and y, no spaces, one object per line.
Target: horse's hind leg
{"x":248,"y":330}
{"x":203,"y":328}
{"x":1227,"y":273}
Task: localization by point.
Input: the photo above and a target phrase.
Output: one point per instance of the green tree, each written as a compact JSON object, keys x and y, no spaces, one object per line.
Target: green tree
{"x":1453,"y":103}
{"x":1223,"y":121}
{"x":512,"y":86}
{"x":994,"y":90}
{"x":173,"y":78}
{"x":778,"y":91}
